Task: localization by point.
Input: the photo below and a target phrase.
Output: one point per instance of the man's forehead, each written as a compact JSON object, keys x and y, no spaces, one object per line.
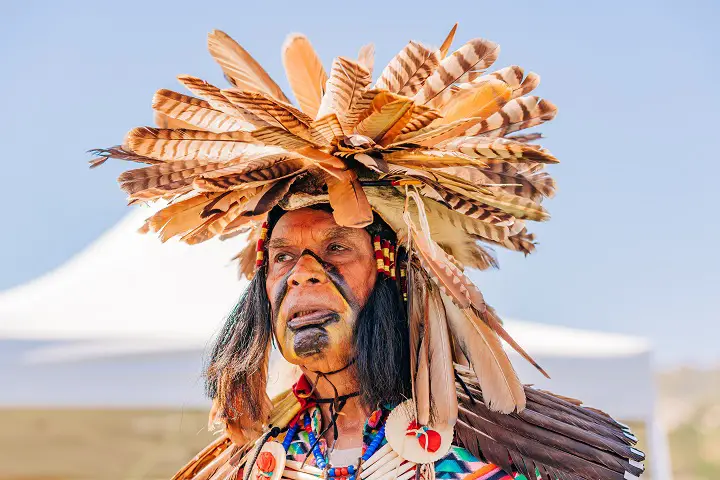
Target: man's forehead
{"x":309,"y":224}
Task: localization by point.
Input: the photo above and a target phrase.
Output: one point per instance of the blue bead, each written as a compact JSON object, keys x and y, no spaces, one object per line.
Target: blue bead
{"x":351,"y":469}
{"x":331,"y":472}
{"x":351,"y":477}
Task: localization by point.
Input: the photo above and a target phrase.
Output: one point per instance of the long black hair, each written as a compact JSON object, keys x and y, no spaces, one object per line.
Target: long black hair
{"x":236,"y":373}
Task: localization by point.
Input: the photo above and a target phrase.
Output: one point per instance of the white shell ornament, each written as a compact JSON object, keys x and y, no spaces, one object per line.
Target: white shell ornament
{"x":413,"y":442}
{"x":270,"y":462}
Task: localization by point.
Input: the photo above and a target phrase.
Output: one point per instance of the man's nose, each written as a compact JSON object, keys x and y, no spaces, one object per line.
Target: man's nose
{"x":307,"y":271}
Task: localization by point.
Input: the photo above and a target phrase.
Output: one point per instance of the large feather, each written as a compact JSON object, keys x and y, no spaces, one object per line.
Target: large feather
{"x":345,"y":87}
{"x":519,"y":207}
{"x":502,"y":390}
{"x":271,"y":111}
{"x":326,"y":129}
{"x":196,"y":112}
{"x":251,"y":173}
{"x":160,"y":180}
{"x":241,"y":69}
{"x":534,"y":186}
{"x":169,"y":145}
{"x":305,"y":73}
{"x":483,"y":100}
{"x":213,"y":95}
{"x":476,"y":53}
{"x":421,"y":117}
{"x":279,"y":137}
{"x":499,"y":148}
{"x":409,"y":69}
{"x":517,"y":114}
{"x":349,"y":203}
{"x":162,"y":216}
{"x":442,"y":381}
{"x":568,"y":444}
{"x":388,"y":111}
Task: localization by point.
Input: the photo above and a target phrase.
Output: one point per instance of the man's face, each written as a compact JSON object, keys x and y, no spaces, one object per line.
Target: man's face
{"x":319,"y":277}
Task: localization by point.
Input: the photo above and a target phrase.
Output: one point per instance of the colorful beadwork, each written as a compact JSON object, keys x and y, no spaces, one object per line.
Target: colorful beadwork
{"x":310,"y":419}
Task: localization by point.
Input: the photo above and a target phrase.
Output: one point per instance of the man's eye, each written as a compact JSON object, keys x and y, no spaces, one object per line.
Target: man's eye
{"x":282,"y":257}
{"x":336,"y":247}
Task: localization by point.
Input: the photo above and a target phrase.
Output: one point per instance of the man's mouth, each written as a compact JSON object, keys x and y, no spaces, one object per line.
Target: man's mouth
{"x":307,"y":318}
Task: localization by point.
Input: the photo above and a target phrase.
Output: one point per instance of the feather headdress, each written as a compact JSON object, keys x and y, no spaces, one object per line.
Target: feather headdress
{"x":431,"y":146}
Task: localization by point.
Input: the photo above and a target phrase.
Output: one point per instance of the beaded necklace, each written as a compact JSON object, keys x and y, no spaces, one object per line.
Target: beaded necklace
{"x":309,"y":421}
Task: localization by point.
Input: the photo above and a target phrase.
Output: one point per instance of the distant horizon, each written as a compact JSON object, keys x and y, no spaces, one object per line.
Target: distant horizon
{"x":630,"y":248}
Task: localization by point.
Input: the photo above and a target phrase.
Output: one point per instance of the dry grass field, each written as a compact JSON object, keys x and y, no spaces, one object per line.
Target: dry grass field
{"x":98,"y":444}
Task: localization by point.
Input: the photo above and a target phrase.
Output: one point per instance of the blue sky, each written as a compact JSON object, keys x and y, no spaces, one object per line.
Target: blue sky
{"x":631,"y":245}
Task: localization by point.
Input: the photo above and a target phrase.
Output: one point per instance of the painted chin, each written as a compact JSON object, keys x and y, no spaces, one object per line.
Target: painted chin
{"x":310,"y":341}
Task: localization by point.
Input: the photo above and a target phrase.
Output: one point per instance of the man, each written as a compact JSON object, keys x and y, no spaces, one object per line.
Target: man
{"x":364,"y":209}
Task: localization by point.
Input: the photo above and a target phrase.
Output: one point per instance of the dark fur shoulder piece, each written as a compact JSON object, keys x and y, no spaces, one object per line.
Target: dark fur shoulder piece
{"x":555,"y":436}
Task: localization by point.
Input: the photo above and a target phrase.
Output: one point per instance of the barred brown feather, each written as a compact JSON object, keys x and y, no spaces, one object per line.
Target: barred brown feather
{"x":476,"y":53}
{"x":408,"y":70}
{"x":196,"y":112}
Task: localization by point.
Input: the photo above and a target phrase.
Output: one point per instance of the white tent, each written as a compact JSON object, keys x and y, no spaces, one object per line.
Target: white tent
{"x":125,"y":322}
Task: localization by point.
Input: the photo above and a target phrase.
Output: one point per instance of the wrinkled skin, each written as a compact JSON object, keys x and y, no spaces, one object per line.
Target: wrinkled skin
{"x":319,"y":277}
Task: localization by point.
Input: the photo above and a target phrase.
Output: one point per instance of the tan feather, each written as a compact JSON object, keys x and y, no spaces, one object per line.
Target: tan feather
{"x":213,"y":95}
{"x":161,"y":217}
{"x":442,"y":378}
{"x":240,"y":67}
{"x":328,"y":162}
{"x":533,"y":186}
{"x":326,"y":129}
{"x":437,"y":133}
{"x":223,"y":202}
{"x":422,"y":116}
{"x":347,"y":83}
{"x":164,"y":121}
{"x":491,"y":319}
{"x":476,"y":53}
{"x":271,"y":111}
{"x":197,"y":113}
{"x":499,"y":149}
{"x":279,"y":137}
{"x":447,"y":43}
{"x":253,"y":173}
{"x":169,"y":145}
{"x":517,"y":114}
{"x":482,"y":101}
{"x":182,"y":222}
{"x":349,"y":203}
{"x":159,"y":180}
{"x":501,"y":387}
{"x":366,"y":57}
{"x":241,"y":224}
{"x":305,"y":73}
{"x":421,"y":305}
{"x":517,"y":206}
{"x":419,"y":158}
{"x":409,"y":69}
{"x":387,"y":110}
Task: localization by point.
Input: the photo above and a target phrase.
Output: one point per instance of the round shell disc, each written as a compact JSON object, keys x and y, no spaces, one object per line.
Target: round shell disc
{"x":270,"y":462}
{"x":402,"y":433}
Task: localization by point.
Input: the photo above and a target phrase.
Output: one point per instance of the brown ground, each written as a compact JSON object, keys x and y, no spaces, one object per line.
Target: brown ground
{"x":98,"y":444}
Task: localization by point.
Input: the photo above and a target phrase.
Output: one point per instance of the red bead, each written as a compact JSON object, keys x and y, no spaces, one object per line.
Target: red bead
{"x":344,"y":471}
